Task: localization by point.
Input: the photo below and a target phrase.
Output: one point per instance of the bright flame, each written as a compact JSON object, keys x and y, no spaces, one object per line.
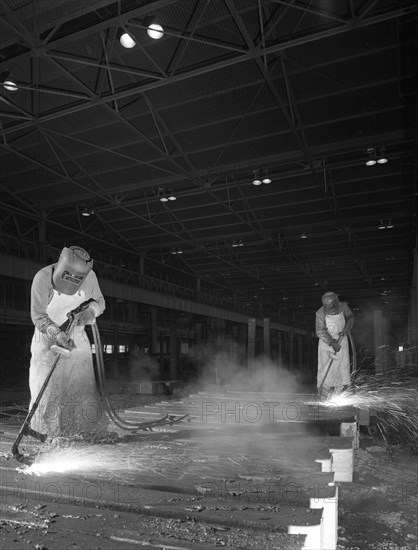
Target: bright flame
{"x":360,"y":399}
{"x":347,"y":399}
{"x":84,"y":459}
{"x":392,"y":400}
{"x":62,"y":464}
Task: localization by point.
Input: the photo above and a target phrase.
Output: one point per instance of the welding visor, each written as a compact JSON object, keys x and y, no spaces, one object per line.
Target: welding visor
{"x":330,"y":302}
{"x":73,"y":266}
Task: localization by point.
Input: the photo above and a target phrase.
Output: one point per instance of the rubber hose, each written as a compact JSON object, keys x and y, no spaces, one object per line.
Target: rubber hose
{"x":353,"y":363}
{"x":116,"y":419}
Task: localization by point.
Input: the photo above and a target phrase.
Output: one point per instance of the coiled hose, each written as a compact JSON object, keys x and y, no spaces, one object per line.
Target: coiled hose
{"x":353,"y":362}
{"x":114,"y":417}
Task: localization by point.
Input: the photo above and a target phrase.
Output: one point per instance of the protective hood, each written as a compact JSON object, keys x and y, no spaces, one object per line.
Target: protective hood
{"x":330,"y":302}
{"x":73,"y":266}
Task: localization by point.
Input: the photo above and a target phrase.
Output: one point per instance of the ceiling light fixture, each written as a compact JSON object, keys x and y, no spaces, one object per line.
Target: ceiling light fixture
{"x":388,"y":225}
{"x":86,"y":210}
{"x":382,"y":158}
{"x":304,"y":235}
{"x":256,"y":179}
{"x":7,"y":82}
{"x":259,"y":179}
{"x":165,"y":195}
{"x":154,"y":29}
{"x":376,"y":156}
{"x":266,"y":179}
{"x":126,"y":39}
{"x":371,"y":161}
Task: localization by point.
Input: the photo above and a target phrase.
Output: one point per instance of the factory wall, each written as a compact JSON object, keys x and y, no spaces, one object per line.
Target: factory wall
{"x":149,"y":335}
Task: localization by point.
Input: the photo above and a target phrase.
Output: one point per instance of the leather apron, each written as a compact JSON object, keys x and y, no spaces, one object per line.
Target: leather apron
{"x":71,"y":403}
{"x":339,"y":373}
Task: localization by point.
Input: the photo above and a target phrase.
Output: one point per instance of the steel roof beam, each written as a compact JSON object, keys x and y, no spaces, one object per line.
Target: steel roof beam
{"x":118,"y":20}
{"x":251,"y":54}
{"x":135,"y":214}
{"x":299,"y":135}
{"x":294,"y":157}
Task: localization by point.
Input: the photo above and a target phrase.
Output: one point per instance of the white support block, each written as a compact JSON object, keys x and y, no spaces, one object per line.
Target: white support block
{"x":342,"y":464}
{"x":326,"y":465}
{"x":329,"y":524}
{"x":312,"y":532}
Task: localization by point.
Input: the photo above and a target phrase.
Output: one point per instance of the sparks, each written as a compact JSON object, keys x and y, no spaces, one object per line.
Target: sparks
{"x":391,"y":399}
{"x":80,"y":459}
{"x":65,"y":462}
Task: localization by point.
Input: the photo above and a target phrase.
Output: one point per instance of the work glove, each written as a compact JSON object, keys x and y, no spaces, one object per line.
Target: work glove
{"x":335,"y":346}
{"x":59,"y":337}
{"x":85,"y":317}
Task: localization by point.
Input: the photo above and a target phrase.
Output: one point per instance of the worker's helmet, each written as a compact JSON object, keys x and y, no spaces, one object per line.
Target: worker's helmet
{"x":72,"y":268}
{"x":330,"y":302}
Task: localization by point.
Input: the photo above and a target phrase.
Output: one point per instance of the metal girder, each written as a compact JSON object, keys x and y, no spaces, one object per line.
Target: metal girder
{"x":139,"y":281}
{"x":117,"y":20}
{"x":243,"y":219}
{"x":298,"y":132}
{"x":308,"y":9}
{"x":184,"y":229}
{"x":109,"y":67}
{"x":131,"y":212}
{"x":13,"y":210}
{"x":312,"y":68}
{"x":109,"y":150}
{"x":123,"y":120}
{"x":182,"y":44}
{"x":11,"y":21}
{"x":16,"y":196}
{"x":122,"y":200}
{"x":216,"y":171}
{"x":201,"y":248}
{"x":253,"y":54}
{"x":185,"y":158}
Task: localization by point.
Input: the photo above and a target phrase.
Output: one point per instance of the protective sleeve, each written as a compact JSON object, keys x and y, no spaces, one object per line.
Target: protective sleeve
{"x":41,"y":293}
{"x":349,"y":318}
{"x":92,"y":290}
{"x":321,"y":328}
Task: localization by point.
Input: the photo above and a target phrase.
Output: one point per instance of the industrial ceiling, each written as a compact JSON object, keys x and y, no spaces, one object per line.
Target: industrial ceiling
{"x":298,"y":91}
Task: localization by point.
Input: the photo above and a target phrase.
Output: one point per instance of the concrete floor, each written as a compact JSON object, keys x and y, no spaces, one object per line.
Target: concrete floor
{"x":209,"y":481}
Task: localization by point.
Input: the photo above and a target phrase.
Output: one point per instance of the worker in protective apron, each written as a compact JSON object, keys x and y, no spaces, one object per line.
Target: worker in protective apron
{"x":70,"y":404}
{"x":333,"y":320}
